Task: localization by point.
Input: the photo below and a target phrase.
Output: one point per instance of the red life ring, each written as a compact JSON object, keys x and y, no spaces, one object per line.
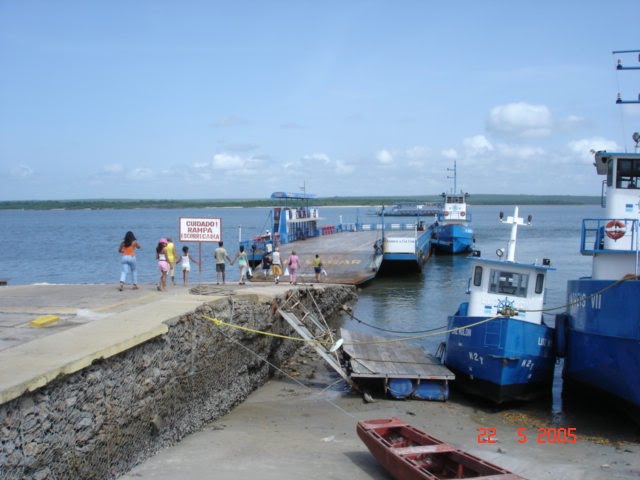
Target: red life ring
{"x":462,"y":214}
{"x":615,"y":229}
{"x":446,"y":213}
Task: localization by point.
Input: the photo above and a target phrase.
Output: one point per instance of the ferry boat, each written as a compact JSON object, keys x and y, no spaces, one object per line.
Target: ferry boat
{"x":351,"y":254}
{"x":599,"y":336}
{"x":406,"y":247}
{"x":498,"y":345}
{"x":452,"y":231}
{"x":410,"y":209}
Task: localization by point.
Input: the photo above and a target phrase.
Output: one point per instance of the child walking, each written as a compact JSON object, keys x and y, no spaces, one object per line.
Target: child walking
{"x":185,"y":260}
{"x":163,"y":264}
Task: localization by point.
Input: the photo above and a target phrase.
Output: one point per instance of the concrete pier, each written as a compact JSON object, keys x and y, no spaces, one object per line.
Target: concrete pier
{"x":119,"y":375}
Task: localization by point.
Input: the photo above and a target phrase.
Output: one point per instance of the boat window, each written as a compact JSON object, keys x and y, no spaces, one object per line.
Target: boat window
{"x":510,"y":283}
{"x":477,"y":276}
{"x":539,"y":282}
{"x":610,"y":173}
{"x":628,"y":173}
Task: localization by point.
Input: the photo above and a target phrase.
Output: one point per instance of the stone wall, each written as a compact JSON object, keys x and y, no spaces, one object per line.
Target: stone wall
{"x":100,"y":422}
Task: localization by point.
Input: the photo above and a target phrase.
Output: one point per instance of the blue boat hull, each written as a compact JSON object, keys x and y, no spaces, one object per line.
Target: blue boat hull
{"x":603,"y":337}
{"x":501,"y":360}
{"x":453,"y":238}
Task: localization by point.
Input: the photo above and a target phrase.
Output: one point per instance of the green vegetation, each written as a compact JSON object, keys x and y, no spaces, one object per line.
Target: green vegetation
{"x":479,"y":199}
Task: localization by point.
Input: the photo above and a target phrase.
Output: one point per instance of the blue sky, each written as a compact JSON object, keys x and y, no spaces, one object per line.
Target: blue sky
{"x":160,"y":99}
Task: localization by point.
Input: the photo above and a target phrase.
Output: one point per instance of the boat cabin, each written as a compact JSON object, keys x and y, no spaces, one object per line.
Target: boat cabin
{"x":454,"y":208}
{"x":614,"y":240}
{"x":496,"y":285}
{"x":294,"y":219}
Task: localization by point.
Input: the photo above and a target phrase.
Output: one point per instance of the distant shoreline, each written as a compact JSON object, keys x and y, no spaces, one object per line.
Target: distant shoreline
{"x":480,"y":199}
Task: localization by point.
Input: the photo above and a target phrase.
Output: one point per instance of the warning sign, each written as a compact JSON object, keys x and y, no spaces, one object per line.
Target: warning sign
{"x":200,"y":229}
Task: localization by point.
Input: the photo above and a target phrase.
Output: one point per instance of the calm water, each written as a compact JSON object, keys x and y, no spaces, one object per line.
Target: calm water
{"x":81,"y":247}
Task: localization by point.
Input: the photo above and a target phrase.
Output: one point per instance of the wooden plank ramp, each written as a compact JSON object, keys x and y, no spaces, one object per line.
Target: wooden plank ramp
{"x":320,"y":348}
{"x":390,"y":360}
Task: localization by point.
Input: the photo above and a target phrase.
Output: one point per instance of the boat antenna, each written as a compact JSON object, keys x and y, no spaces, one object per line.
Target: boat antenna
{"x":514,"y":222}
{"x":619,"y":99}
{"x":455,"y":175}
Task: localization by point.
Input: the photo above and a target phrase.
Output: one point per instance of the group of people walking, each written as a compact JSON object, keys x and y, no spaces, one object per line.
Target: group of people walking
{"x":167,"y":259}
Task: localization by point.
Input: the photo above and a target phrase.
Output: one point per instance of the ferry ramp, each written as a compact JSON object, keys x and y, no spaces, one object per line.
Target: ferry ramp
{"x":348,"y":257}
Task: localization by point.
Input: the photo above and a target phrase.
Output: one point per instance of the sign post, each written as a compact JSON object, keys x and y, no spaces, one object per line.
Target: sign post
{"x":200,"y":230}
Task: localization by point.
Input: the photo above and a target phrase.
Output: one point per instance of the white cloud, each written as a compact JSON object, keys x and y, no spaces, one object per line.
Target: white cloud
{"x":521,"y":120}
{"x":113,"y":169}
{"x":477,"y":145}
{"x":572,"y":122}
{"x":225,"y":161}
{"x":520,"y":151}
{"x":140,"y":173}
{"x":449,"y":153}
{"x":343,"y":168}
{"x":22,"y":170}
{"x":384,"y":157}
{"x":417,"y":153}
{"x":317,"y":157}
{"x":582,"y":148}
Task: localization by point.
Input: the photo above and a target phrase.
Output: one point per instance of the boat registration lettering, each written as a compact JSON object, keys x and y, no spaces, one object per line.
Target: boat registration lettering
{"x":596,"y":301}
{"x":544,"y":342}
{"x":476,"y":357}
{"x":578,"y":299}
{"x":527,"y":364}
{"x":464,"y":332}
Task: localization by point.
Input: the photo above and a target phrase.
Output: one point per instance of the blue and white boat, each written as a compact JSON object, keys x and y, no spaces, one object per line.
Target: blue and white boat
{"x":498,"y":345}
{"x":452,"y":231}
{"x":599,"y":335}
{"x":406,"y":247}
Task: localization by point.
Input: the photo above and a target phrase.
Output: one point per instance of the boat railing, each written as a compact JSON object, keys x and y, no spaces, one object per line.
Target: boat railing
{"x":623,"y":232}
{"x":365,"y":227}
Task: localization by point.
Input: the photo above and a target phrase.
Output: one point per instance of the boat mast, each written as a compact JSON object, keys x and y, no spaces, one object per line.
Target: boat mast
{"x":455,"y":177}
{"x":514,"y":222}
{"x":619,"y":100}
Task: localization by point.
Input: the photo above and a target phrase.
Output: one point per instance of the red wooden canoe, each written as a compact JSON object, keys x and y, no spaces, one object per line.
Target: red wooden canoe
{"x":411,"y":454}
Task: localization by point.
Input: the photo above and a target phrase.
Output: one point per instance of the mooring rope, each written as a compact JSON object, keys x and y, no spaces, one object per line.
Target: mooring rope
{"x":218,"y":322}
{"x":576,"y":302}
{"x":260,"y":357}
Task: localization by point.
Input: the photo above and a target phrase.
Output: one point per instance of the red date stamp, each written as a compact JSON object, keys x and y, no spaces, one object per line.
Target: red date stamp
{"x":542,"y":435}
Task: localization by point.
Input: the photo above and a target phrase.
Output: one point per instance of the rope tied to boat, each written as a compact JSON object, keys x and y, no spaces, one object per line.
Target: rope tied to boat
{"x":220,"y":323}
{"x":588,"y":297}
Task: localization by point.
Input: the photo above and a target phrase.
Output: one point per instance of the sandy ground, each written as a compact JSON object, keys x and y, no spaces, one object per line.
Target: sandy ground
{"x":303,"y":425}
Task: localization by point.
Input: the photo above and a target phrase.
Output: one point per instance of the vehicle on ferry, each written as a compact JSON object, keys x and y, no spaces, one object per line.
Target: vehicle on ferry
{"x":599,"y":335}
{"x":499,"y":345}
{"x":452,"y":230}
